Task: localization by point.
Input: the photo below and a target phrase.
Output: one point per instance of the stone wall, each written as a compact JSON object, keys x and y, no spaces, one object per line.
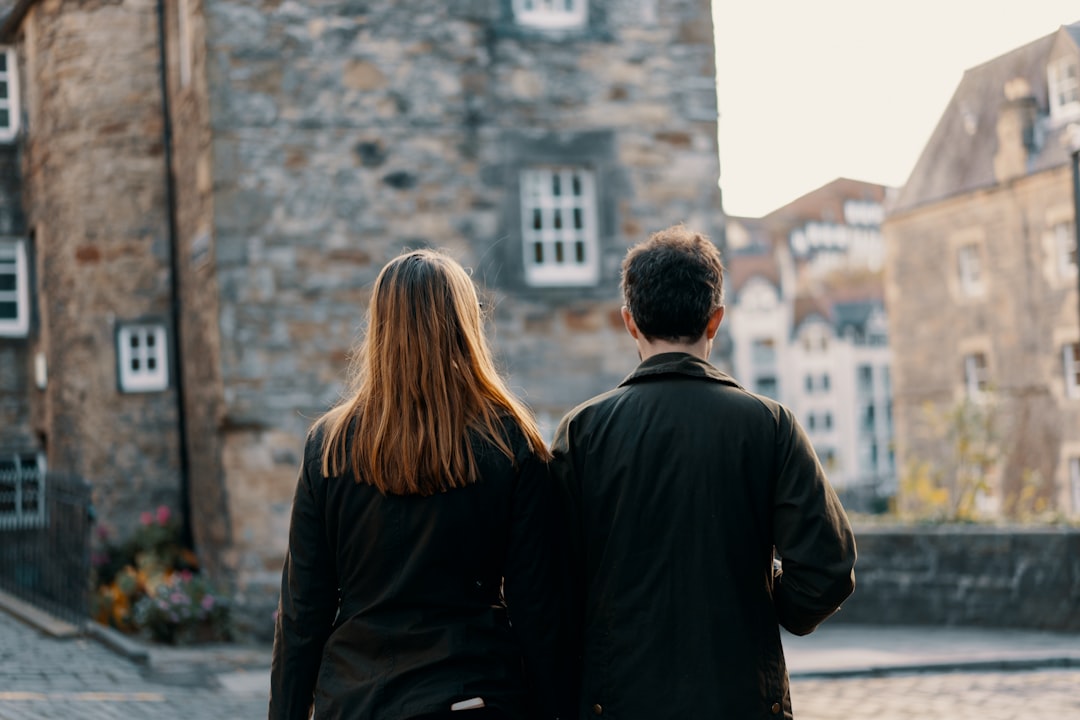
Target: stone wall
{"x":1024,"y":314}
{"x":345,"y":131}
{"x":93,"y":183}
{"x":991,"y":577}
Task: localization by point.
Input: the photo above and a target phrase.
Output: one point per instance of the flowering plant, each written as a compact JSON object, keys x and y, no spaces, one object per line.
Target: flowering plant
{"x":151,"y":584}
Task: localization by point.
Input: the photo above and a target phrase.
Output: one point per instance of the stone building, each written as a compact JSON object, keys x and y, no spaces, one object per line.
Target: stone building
{"x":807,"y":326}
{"x":982,"y":285}
{"x":195,"y":196}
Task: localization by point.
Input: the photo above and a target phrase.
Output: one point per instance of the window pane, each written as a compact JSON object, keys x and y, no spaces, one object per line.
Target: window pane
{"x":579,"y":223}
{"x":133,"y":340}
{"x":151,"y":363}
{"x":558,"y":252}
{"x":7,"y":280}
{"x":538,"y":253}
{"x":5,"y":118}
{"x":579,"y":251}
{"x":135,"y":364}
{"x":556,"y":184}
{"x":558,"y":219}
{"x":538,"y":219}
{"x":3,"y":62}
{"x":3,"y":90}
{"x":8,"y":311}
{"x":150,"y":338}
{"x":577,"y":185}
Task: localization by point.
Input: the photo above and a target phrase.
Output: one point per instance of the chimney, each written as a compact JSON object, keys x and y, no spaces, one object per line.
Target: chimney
{"x":1015,"y":131}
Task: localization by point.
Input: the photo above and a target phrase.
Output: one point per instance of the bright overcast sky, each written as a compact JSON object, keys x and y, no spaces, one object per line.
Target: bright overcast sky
{"x":814,"y":90}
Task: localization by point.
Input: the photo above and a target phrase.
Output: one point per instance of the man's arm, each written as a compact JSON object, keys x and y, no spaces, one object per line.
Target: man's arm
{"x":811,"y":534}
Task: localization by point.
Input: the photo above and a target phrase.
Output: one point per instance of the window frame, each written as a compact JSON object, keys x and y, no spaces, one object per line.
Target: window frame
{"x":548,"y":17}
{"x":10,"y":75}
{"x":976,"y":377}
{"x":560,"y":272}
{"x":1058,"y":83}
{"x":18,"y":517}
{"x":1070,"y":365}
{"x":969,"y":269}
{"x":1065,"y":248}
{"x":138,"y":380}
{"x":19,"y":326}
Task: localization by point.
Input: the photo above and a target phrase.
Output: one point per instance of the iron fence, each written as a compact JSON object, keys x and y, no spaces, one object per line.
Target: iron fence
{"x":45,"y":524}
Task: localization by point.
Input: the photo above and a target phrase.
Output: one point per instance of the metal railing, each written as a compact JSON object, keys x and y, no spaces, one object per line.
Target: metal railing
{"x":45,"y":523}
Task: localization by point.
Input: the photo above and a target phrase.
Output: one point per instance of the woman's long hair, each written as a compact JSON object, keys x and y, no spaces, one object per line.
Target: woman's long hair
{"x":422,"y":381}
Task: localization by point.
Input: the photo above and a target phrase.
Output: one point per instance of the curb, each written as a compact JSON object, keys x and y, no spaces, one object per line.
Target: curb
{"x":38,"y":619}
{"x":1001,"y":665}
{"x":119,"y":643}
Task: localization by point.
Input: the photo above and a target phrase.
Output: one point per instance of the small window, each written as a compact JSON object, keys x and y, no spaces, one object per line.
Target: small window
{"x":865,"y":377}
{"x":809,"y":382}
{"x":1065,"y":247}
{"x":825,"y":382}
{"x":1071,"y":356}
{"x":1074,"y":483}
{"x":141,"y":351}
{"x":811,"y":422}
{"x":551,"y":14}
{"x":766,"y":385}
{"x":22,"y":490}
{"x":14,"y":288}
{"x":558,"y":214}
{"x":763,"y":351}
{"x":9,"y":96}
{"x":828,"y":421}
{"x":1063,"y":82}
{"x":969,"y":267}
{"x":976,"y":374}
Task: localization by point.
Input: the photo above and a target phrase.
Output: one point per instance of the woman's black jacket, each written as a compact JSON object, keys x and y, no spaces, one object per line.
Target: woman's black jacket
{"x":393,"y":606}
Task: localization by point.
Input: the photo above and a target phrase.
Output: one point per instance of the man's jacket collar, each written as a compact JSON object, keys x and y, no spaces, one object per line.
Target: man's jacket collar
{"x":677,"y":363}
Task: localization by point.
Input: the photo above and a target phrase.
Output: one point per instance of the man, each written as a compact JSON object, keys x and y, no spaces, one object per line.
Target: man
{"x":678,"y":486}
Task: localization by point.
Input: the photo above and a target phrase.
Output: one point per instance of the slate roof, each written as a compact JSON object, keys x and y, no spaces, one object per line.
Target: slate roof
{"x":959,"y":157}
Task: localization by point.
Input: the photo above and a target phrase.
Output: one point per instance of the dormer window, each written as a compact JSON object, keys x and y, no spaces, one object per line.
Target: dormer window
{"x":1063,"y":81}
{"x":551,"y":14}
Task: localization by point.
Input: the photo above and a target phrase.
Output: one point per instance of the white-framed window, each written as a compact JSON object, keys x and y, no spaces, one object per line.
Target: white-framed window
{"x":551,"y":14}
{"x":969,"y":268}
{"x":825,"y":382}
{"x":1070,"y":355}
{"x":558,"y":226}
{"x":808,"y":383}
{"x":976,"y":374}
{"x":1063,"y":82}
{"x":1065,"y":248}
{"x":141,"y":350}
{"x":9,"y":95}
{"x":763,"y":351}
{"x":767,"y":385}
{"x":1074,"y":483}
{"x":14,"y":289}
{"x":22,"y":490}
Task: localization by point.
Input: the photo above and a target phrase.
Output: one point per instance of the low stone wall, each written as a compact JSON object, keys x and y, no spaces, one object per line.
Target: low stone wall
{"x":977,"y":576}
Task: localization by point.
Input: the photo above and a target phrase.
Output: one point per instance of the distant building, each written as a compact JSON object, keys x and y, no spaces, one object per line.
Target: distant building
{"x":982,"y":281}
{"x":185,"y":254}
{"x":808,"y":327}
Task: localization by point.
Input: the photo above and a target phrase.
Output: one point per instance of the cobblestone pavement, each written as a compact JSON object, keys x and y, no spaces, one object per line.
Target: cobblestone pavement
{"x":78,"y":679}
{"x":943,"y":696}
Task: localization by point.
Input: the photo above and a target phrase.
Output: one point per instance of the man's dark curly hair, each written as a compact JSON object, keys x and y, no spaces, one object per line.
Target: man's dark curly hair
{"x":672,"y":283}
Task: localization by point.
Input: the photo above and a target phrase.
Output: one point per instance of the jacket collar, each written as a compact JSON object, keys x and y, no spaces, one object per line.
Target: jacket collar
{"x":678,"y":363}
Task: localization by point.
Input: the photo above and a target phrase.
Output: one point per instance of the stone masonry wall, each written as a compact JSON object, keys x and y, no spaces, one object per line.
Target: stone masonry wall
{"x":346,"y":131}
{"x":1020,"y":321}
{"x":95,"y":198}
{"x":990,"y":577}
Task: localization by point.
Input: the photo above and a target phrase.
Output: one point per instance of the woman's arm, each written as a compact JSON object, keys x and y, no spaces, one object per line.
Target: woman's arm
{"x":309,"y":599}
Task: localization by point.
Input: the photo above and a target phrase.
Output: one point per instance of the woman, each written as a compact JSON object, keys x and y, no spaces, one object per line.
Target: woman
{"x":422,"y":504}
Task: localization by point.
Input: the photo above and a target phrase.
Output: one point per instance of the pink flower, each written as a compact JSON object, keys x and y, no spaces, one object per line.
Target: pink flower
{"x":207,"y":602}
{"x":163,"y":514}
{"x":185,"y":575}
{"x":146,"y":518}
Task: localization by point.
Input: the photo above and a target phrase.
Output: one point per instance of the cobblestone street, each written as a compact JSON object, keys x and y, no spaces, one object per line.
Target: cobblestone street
{"x":79,"y":679}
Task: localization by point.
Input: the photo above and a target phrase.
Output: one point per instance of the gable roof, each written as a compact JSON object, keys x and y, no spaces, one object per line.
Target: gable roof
{"x":959,"y":157}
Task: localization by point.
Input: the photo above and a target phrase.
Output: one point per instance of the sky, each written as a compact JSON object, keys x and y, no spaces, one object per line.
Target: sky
{"x":813,"y":90}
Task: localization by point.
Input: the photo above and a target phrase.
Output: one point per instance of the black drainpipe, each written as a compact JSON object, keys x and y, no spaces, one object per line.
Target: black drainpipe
{"x":186,"y":537}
